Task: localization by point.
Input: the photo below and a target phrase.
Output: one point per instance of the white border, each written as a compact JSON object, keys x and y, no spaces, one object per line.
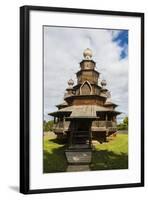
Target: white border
{"x":38,"y":180}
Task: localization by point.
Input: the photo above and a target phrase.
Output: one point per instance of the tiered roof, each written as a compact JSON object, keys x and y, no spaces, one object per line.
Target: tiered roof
{"x":84,"y":110}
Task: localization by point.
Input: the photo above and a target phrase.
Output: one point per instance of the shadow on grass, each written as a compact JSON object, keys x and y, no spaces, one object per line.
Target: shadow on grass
{"x":55,"y":161}
{"x":59,"y":141}
{"x":108,"y":160}
{"x":101,"y":160}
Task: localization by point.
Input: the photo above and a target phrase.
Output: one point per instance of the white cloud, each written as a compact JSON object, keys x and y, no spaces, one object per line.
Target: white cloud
{"x":63,"y":49}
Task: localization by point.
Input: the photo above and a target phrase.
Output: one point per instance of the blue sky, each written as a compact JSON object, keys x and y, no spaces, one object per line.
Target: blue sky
{"x":63,"y":50}
{"x":122,"y":40}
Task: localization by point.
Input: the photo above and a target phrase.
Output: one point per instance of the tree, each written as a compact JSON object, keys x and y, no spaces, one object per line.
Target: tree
{"x":123,"y":125}
{"x":125,"y":121}
{"x":48,"y":126}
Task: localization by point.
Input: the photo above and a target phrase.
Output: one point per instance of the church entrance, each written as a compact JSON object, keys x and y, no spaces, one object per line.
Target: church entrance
{"x":81,"y":134}
{"x":80,"y":150}
{"x":83,"y":125}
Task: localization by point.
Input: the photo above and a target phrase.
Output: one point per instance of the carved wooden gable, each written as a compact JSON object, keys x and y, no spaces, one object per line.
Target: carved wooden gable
{"x":86,"y":88}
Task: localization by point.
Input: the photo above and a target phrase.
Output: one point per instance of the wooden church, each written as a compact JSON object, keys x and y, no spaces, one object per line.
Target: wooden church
{"x":87,"y":111}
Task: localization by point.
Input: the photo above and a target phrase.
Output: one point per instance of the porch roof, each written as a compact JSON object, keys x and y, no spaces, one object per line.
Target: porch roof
{"x":81,"y":111}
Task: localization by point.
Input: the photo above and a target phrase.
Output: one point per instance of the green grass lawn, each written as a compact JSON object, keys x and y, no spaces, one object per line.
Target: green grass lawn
{"x":106,"y":156}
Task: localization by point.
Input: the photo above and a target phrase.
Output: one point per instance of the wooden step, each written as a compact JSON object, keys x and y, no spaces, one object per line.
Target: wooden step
{"x":81,"y":132}
{"x":79,"y":146}
{"x":80,"y":142}
{"x":81,"y":136}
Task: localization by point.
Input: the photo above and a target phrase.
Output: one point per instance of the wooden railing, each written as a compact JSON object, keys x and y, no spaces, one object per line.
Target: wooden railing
{"x":64,"y":126}
{"x":104,"y":124}
{"x":61,"y":125}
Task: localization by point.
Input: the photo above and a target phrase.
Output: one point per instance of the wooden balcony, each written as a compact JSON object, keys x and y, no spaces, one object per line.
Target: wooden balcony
{"x":97,"y":126}
{"x":61,"y":127}
{"x":103,"y":126}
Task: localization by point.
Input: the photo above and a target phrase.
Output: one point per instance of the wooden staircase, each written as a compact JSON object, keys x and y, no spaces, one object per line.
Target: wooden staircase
{"x":79,"y":151}
{"x":80,"y":140}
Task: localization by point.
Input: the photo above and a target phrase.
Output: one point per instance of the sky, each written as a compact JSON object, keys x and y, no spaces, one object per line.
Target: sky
{"x":63,"y":51}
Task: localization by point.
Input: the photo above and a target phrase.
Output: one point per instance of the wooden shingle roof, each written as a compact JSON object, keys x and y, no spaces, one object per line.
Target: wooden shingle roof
{"x":82,"y":110}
